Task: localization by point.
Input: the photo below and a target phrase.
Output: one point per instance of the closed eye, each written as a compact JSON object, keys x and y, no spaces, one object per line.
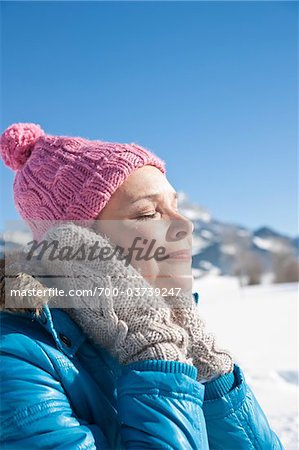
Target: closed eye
{"x":146,"y":216}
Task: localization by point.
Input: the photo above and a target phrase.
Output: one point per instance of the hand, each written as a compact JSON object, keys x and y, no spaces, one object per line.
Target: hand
{"x":208,"y":358}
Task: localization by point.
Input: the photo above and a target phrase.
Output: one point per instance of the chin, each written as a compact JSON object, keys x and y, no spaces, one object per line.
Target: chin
{"x":184,"y":283}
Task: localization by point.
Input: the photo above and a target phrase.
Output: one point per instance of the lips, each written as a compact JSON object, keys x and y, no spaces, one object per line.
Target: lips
{"x":184,"y":255}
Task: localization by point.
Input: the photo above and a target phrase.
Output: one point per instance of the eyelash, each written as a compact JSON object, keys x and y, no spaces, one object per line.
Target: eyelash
{"x":151,"y":216}
{"x":145,"y":217}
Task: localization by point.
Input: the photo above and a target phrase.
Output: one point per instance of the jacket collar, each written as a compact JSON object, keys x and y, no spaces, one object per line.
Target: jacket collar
{"x":66,"y":333}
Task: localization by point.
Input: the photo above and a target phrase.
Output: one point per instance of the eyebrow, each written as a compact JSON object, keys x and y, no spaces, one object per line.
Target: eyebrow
{"x":154,"y":195}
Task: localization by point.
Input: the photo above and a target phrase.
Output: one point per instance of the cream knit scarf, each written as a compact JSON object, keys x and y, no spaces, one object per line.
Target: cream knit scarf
{"x":116,"y":308}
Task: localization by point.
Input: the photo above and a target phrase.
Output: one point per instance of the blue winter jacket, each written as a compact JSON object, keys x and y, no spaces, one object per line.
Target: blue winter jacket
{"x":59,"y":391}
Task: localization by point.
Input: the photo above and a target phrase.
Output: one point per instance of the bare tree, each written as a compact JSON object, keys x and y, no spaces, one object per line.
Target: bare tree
{"x":254,"y":268}
{"x":285,"y":266}
{"x":248,"y":265}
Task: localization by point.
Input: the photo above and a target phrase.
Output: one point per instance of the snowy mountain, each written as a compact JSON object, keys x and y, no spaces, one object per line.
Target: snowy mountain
{"x":231,"y":249}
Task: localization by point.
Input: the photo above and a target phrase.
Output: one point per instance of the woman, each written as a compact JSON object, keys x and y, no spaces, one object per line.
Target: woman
{"x":126,"y":371}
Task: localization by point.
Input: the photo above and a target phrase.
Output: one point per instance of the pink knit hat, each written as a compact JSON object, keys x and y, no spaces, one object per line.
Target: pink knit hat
{"x":66,"y":178}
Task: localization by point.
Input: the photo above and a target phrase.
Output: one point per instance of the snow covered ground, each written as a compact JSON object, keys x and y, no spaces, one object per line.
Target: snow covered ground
{"x":259,"y":325}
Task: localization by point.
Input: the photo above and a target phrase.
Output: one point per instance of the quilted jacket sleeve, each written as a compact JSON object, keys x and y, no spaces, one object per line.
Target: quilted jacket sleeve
{"x":235,"y":420}
{"x":160,"y":405}
{"x":35,"y":412}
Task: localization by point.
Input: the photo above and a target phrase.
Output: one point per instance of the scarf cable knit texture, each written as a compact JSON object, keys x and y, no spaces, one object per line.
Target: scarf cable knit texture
{"x":133,"y":328}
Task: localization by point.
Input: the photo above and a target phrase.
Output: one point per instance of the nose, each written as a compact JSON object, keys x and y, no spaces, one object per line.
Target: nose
{"x":180,"y":228}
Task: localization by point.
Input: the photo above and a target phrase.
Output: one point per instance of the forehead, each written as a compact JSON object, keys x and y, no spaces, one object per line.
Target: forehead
{"x":145,"y":181}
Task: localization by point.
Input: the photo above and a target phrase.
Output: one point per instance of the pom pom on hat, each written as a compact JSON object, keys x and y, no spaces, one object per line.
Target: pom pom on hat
{"x":17,"y":143}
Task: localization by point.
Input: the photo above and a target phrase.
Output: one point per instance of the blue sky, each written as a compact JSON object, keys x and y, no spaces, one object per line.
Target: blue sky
{"x":209,"y":86}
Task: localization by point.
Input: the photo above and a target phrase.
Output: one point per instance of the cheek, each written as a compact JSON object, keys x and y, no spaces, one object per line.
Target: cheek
{"x":151,"y":236}
{"x":120,"y":234}
{"x":154,"y":231}
{"x":146,"y":238}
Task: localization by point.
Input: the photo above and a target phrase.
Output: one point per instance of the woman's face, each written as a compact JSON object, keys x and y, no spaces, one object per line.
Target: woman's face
{"x":144,"y":207}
